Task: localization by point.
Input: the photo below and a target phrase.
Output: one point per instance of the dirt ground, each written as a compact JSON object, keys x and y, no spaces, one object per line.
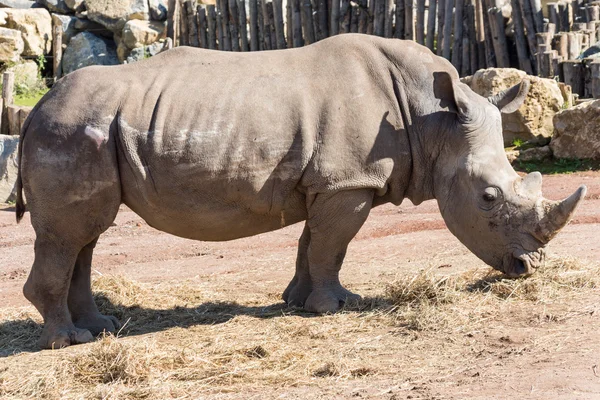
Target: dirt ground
{"x":547,"y":347}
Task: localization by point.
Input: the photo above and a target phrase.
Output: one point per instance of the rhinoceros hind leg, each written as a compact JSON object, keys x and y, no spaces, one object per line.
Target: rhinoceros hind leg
{"x":84,"y":311}
{"x":300,"y":286}
{"x":47,"y":287}
{"x":334,"y":220}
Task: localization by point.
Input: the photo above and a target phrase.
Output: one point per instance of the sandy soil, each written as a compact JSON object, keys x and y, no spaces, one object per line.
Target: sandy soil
{"x":394,"y":241}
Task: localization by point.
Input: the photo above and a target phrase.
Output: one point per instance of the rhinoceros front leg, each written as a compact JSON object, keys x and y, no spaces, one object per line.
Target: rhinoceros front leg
{"x":333,"y":221}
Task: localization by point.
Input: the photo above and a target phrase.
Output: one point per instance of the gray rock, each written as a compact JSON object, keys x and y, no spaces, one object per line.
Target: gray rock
{"x":144,"y":52}
{"x":24,"y":4}
{"x":138,"y":33}
{"x":11,"y":45}
{"x":113,"y":14}
{"x":84,"y":24}
{"x":58,"y":6}
{"x":576,"y":133}
{"x":87,"y":49}
{"x":8,"y":167}
{"x":535,"y":154}
{"x":158,"y":10}
{"x":67,"y":23}
{"x":76,"y":5}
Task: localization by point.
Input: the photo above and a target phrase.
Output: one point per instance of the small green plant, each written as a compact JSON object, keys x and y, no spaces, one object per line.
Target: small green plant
{"x":518,"y":142}
{"x":557,"y":166}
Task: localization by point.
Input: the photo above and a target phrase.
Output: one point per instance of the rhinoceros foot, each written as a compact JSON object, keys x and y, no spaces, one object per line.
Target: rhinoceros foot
{"x":329,"y":299}
{"x":97,"y":323}
{"x":53,"y":338}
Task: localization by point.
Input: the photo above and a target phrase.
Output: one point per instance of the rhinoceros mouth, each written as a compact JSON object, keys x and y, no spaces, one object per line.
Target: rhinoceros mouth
{"x":524,"y":264}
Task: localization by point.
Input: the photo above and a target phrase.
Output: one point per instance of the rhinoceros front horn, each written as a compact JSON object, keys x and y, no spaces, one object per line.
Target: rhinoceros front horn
{"x":557,"y":214}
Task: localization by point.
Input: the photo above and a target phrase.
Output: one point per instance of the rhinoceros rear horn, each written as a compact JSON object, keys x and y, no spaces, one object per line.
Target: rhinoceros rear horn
{"x":559,"y":213}
{"x":509,"y":100}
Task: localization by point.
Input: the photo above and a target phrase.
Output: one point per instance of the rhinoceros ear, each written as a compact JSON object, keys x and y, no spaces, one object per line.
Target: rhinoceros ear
{"x":509,"y":100}
{"x":451,"y":95}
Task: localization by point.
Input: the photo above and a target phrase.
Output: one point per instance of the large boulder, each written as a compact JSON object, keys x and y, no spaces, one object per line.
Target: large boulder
{"x":144,"y":52}
{"x":113,"y":14}
{"x":87,"y":49}
{"x":67,"y":23}
{"x":576,"y":132}
{"x":35,"y":25}
{"x":57,"y":6}
{"x":8,"y":167}
{"x":533,"y":121}
{"x":11,"y":45}
{"x":24,"y":4}
{"x":138,"y":33}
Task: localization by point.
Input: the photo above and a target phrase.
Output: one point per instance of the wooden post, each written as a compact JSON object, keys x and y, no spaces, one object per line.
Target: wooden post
{"x":57,"y":51}
{"x":521,"y":44}
{"x":573,"y":45}
{"x":498,"y":36}
{"x":538,"y":18}
{"x":593,"y":13}
{"x":458,"y":34}
{"x":525,"y":6}
{"x":431,"y":24}
{"x":409,"y":20}
{"x":243,"y":25}
{"x":345,"y":16}
{"x":399,"y":29}
{"x":355,"y":18}
{"x":490,"y":59}
{"x":222,"y":9}
{"x":191,"y":22}
{"x":202,"y":36}
{"x":465,"y":64}
{"x":562,"y":45}
{"x":297,"y":23}
{"x":363,"y":20}
{"x":234,"y":23}
{"x":480,"y":28}
{"x":587,"y":77}
{"x":183,"y":24}
{"x":172,"y":21}
{"x":547,"y":70}
{"x":389,"y":19}
{"x":563,"y":17}
{"x":553,"y":13}
{"x":334,"y":28}
{"x":253,"y":10}
{"x":212,"y":26}
{"x":270,"y":37}
{"x":278,"y":22}
{"x":595,"y":73}
{"x":323,"y":22}
{"x":573,"y":71}
{"x":420,"y":26}
{"x":379,"y":18}
{"x":307,"y":22}
{"x":8,"y":87}
{"x":447,"y":29}
{"x":471,"y":28}
{"x":440,"y":26}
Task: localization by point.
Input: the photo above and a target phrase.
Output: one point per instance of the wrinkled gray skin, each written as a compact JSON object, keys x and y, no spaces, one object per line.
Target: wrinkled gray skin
{"x":216,"y":146}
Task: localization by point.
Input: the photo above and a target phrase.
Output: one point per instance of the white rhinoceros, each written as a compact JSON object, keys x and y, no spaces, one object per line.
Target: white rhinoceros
{"x":211,"y":145}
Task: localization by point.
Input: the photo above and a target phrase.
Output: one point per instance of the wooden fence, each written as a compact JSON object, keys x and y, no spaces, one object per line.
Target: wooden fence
{"x":472,"y":34}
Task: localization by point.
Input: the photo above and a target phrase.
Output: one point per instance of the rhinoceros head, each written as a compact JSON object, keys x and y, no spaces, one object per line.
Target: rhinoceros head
{"x":501,"y":217}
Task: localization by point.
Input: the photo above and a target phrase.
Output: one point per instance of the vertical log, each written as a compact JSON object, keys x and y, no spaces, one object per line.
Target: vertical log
{"x":266,"y":26}
{"x":202,"y":37}
{"x":212,"y":26}
{"x":260,"y":21}
{"x":399,"y":29}
{"x":288,"y":24}
{"x":447,"y":29}
{"x":471,"y":26}
{"x":224,"y":11}
{"x":269,"y":24}
{"x":420,"y":26}
{"x":543,"y":71}
{"x":334,"y":28}
{"x":234,"y":23}
{"x":172,"y":21}
{"x":563,"y":18}
{"x":192,"y":24}
{"x":562,"y":45}
{"x":278,"y":21}
{"x":587,"y":77}
{"x":243,"y":25}
{"x":480,"y":35}
{"x":465,"y":64}
{"x":379,"y":20}
{"x":593,"y":13}
{"x":345,"y":9}
{"x":441,"y":19}
{"x":253,"y":10}
{"x":297,"y":23}
{"x":526,"y":11}
{"x":307,"y":22}
{"x":355,"y":17}
{"x":490,"y":59}
{"x":521,"y":44}
{"x":57,"y":51}
{"x":595,"y":74}
{"x":498,"y":35}
{"x":323,"y":24}
{"x":547,"y":57}
{"x":409,"y":20}
{"x":553,"y":13}
{"x":363,"y":21}
{"x":431,"y":24}
{"x":458,"y":34}
{"x":220,"y":38}
{"x":370,"y":25}
{"x":573,"y":46}
{"x":538,"y":18}
{"x":389,"y":17}
{"x":8,"y":87}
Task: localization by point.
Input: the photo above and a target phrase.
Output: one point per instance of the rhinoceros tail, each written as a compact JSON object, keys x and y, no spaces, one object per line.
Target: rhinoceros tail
{"x":20,"y":203}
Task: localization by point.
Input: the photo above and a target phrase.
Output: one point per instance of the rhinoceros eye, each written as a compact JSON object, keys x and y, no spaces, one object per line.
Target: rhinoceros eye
{"x":490,"y":195}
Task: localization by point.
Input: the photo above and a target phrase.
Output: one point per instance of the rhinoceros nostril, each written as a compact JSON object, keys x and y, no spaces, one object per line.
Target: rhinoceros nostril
{"x":519,"y":267}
